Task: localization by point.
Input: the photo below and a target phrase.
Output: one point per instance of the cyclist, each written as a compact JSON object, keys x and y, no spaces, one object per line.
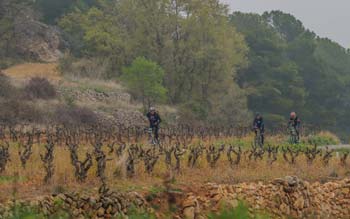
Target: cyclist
{"x":258,"y":125}
{"x":154,"y":121}
{"x":294,"y":125}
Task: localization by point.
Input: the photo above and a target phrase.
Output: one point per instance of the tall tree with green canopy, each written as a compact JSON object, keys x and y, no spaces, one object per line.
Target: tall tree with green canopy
{"x":53,"y":10}
{"x":190,"y":39}
{"x":273,"y":81}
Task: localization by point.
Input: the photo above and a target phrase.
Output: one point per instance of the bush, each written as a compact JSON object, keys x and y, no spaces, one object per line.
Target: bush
{"x":14,"y":111}
{"x":40,"y":88}
{"x":75,"y":116}
{"x":323,"y":138}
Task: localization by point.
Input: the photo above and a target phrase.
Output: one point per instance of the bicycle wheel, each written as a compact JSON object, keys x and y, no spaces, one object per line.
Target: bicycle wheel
{"x":258,"y":139}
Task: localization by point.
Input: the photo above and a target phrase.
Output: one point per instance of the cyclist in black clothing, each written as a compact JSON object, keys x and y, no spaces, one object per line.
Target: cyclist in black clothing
{"x":295,"y":122}
{"x":154,"y":121}
{"x":258,"y":124}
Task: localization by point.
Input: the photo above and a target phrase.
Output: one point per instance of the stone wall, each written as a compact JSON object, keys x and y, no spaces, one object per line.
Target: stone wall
{"x":105,"y":205}
{"x":282,"y":197}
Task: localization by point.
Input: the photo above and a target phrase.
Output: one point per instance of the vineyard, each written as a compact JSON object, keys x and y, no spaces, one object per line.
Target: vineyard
{"x":41,"y":161}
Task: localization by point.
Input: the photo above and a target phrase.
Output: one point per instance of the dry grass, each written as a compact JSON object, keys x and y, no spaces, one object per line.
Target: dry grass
{"x":31,"y":184}
{"x":28,"y":70}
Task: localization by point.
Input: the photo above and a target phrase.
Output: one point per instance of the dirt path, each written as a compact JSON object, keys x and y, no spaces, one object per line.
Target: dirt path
{"x":336,"y":147}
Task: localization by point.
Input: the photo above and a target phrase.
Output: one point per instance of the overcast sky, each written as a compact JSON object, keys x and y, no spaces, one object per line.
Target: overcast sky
{"x":327,"y":18}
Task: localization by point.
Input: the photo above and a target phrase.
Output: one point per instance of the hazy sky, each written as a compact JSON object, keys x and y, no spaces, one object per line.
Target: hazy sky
{"x":327,"y":18}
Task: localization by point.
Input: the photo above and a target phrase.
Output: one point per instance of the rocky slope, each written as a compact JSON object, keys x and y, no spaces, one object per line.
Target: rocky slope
{"x":32,"y":39}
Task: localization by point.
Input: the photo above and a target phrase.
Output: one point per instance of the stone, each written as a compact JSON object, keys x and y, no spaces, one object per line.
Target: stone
{"x":284,"y":209}
{"x":189,"y":202}
{"x":101,"y":212}
{"x":299,"y":203}
{"x":189,"y":213}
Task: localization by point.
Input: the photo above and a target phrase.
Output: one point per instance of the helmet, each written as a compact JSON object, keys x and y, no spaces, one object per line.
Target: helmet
{"x":152,"y":109}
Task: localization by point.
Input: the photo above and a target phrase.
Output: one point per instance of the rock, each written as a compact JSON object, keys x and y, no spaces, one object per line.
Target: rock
{"x":189,"y":202}
{"x":101,"y":212}
{"x":189,"y":213}
{"x":299,"y":203}
{"x":284,"y":209}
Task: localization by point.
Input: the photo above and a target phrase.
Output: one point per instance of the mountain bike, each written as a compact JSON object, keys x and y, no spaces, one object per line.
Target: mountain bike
{"x":151,"y":136}
{"x":258,"y":141}
{"x":293,"y":135}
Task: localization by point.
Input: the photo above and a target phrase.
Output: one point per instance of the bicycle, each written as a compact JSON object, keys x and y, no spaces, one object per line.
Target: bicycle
{"x":151,"y":137}
{"x":258,"y":140}
{"x":293,"y":135}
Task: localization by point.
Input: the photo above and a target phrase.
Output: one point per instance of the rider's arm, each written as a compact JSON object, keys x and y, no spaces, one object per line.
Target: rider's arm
{"x":254,"y":124}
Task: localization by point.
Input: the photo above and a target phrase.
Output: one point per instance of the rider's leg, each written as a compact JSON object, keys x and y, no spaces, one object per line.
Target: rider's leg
{"x":262,"y":138}
{"x":156,"y":134}
{"x":297,"y":136}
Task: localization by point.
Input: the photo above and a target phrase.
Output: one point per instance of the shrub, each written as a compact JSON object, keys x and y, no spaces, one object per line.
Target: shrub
{"x":13,"y":111}
{"x":323,"y":138}
{"x":40,"y":88}
{"x":241,"y":212}
{"x":75,"y":116}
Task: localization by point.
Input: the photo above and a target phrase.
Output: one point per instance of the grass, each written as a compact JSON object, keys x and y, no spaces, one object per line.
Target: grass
{"x":28,"y":70}
{"x":25,"y":212}
{"x":31,"y":177}
{"x":241,"y":212}
{"x":322,"y":139}
{"x":10,"y":179}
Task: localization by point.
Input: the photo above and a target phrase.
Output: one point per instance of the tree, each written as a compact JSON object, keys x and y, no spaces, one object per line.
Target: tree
{"x":144,"y":80}
{"x":272,"y":80}
{"x":190,"y":39}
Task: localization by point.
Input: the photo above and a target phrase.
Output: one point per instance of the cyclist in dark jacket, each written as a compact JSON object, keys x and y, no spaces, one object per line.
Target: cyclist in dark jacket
{"x":154,"y":121}
{"x":295,"y":122}
{"x":258,"y":124}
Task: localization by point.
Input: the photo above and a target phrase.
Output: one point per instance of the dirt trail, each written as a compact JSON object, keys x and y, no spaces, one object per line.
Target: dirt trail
{"x":336,"y":147}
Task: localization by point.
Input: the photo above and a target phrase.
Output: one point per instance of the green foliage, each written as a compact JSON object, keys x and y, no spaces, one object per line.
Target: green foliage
{"x":134,"y":213}
{"x":144,"y":79}
{"x":241,"y":212}
{"x":52,"y":10}
{"x":26,"y":212}
{"x":273,"y":81}
{"x":216,"y":66}
{"x":293,"y":70}
{"x":200,"y":64}
{"x":322,"y":139}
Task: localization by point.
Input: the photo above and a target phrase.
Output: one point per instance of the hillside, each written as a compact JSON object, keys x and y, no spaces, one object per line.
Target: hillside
{"x":108,"y":100}
{"x":266,"y":63}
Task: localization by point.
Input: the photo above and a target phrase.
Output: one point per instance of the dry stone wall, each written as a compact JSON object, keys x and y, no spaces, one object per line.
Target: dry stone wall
{"x":282,"y":197}
{"x":107,"y":205}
